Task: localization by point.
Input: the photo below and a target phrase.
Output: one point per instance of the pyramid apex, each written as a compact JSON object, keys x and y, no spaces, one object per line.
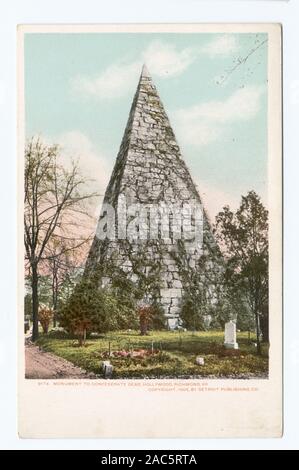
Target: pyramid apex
{"x":145,"y":72}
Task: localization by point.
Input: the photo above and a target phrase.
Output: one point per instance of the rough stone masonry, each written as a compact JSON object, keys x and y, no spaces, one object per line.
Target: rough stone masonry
{"x":149,"y":170}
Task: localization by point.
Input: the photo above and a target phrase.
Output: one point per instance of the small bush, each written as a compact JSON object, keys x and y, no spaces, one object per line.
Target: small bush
{"x":151,"y":317}
{"x":45,"y":316}
{"x":191,"y":315}
{"x":95,"y":310}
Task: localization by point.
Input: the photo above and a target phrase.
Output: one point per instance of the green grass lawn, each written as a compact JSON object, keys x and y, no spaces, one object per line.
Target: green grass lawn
{"x":175,"y":354}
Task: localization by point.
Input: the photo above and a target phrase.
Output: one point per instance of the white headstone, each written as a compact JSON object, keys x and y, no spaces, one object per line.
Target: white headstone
{"x":172,"y":323}
{"x":200,"y":361}
{"x":104,"y":364}
{"x":230,"y":338}
{"x":107,"y":369}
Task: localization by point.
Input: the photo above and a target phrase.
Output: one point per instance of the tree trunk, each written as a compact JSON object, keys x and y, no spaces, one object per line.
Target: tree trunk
{"x":34,"y":287}
{"x":55,"y":310}
{"x":265,"y":326}
{"x":54,"y":298}
{"x":143,"y":328}
{"x":257,"y":326}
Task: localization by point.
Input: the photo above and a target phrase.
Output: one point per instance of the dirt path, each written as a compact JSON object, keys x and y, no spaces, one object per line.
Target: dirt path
{"x":43,"y":365}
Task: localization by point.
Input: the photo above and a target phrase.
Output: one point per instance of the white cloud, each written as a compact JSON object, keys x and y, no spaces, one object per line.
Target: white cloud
{"x":92,"y":163}
{"x":114,"y":82}
{"x":196,"y":133}
{"x":162,"y":59}
{"x":94,"y":167}
{"x":222,"y":45}
{"x":204,"y":123}
{"x":242,"y":104}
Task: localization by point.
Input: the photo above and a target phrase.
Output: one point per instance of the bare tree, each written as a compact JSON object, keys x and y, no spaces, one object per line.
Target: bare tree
{"x":63,"y":260}
{"x":54,"y":205}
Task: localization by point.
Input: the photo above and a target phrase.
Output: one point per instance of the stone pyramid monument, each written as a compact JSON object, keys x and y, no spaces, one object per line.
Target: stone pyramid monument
{"x":149,"y":172}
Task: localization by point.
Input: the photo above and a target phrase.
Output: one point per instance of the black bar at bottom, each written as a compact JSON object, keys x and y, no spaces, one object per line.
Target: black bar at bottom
{"x":135,"y":459}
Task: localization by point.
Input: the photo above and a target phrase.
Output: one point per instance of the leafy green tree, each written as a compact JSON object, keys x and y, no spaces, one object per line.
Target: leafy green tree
{"x":243,"y":236}
{"x":84,"y":312}
{"x":92,"y":309}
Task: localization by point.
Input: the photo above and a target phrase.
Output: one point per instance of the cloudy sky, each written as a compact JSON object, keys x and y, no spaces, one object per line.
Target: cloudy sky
{"x":79,"y":88}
